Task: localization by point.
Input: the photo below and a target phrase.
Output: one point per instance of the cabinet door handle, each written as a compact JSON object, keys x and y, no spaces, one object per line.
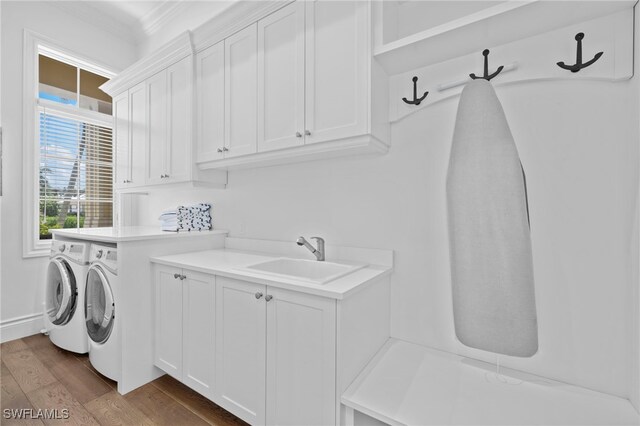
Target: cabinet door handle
{"x":176,"y":276}
{"x":225,"y":149}
{"x":166,"y":176}
{"x":268,"y":297}
{"x":308,"y":133}
{"x":182,"y":277}
{"x":219,"y":149}
{"x":258,"y":295}
{"x":298,"y":135}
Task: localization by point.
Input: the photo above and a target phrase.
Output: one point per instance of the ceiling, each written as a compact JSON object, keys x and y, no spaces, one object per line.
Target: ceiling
{"x":130,"y":19}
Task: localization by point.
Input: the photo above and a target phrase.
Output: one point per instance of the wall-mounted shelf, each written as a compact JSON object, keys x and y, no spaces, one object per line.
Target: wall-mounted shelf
{"x":497,"y":25}
{"x":529,"y":59}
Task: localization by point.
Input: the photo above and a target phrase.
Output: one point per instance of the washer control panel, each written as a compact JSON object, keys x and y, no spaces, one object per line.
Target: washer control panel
{"x":108,"y":256}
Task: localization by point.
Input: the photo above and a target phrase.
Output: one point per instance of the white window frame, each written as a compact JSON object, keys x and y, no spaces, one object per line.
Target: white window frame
{"x":35,"y":44}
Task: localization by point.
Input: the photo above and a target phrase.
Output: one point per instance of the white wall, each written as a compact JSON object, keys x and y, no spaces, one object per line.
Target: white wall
{"x":634,"y":300}
{"x":22,"y":279}
{"x":578,"y":142}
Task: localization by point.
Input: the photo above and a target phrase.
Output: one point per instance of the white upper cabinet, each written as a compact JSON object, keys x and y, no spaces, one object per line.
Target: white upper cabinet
{"x":210,"y":106}
{"x":336,"y":65}
{"x":178,"y":150}
{"x":169,"y":136}
{"x":121,"y":139}
{"x":308,"y":67}
{"x":274,"y":83}
{"x":241,"y":56}
{"x":130,"y":137}
{"x":281,"y":78}
{"x":155,"y":119}
{"x":137,"y":132}
{"x":156,"y":127}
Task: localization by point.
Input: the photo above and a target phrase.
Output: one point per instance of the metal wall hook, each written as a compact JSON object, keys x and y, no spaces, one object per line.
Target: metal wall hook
{"x":486,"y":75}
{"x":416,"y":100}
{"x":579,"y":64}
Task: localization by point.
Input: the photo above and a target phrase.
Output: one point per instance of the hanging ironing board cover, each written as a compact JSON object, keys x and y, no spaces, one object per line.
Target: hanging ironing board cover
{"x":490,"y":244}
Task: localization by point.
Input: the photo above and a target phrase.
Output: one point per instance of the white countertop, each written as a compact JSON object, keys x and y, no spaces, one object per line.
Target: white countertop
{"x":129,"y":233}
{"x":228,"y":263}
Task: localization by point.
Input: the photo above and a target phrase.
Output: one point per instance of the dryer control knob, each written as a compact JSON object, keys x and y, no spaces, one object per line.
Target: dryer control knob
{"x":99,"y":254}
{"x":62,"y":247}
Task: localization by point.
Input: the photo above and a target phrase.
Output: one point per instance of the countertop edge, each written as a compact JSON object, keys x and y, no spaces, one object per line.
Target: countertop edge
{"x":130,"y":238}
{"x":320,"y":291}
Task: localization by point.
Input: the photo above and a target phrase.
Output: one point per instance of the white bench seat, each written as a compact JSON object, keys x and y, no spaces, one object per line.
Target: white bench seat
{"x":409,"y":384}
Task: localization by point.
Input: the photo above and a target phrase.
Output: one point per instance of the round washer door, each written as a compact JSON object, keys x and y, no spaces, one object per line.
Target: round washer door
{"x":61,"y":292}
{"x":99,"y":305}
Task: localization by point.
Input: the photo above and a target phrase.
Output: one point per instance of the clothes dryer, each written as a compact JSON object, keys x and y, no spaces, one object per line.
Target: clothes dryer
{"x":101,"y":306}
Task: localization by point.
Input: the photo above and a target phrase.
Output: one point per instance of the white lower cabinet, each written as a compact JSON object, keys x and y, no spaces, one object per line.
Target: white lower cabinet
{"x":301,"y":359}
{"x":168,"y":321}
{"x":240,"y":348}
{"x":265,"y":354}
{"x":184,"y":334}
{"x":275,"y":354}
{"x":198,"y":338}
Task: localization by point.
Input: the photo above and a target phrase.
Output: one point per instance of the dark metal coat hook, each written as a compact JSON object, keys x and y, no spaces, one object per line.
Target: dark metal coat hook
{"x":486,"y":75}
{"x":579,"y":65}
{"x":416,"y":100}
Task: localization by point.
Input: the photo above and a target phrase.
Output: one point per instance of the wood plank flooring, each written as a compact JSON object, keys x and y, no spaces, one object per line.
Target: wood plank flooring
{"x":37,"y":375}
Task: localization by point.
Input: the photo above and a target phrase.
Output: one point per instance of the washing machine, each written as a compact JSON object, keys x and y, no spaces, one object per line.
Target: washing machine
{"x":64,"y":295}
{"x":101,"y":309}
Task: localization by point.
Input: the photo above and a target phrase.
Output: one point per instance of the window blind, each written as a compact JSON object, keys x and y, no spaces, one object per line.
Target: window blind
{"x":76,"y":172}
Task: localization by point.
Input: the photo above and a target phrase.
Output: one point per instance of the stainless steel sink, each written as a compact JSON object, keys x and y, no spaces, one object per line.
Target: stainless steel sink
{"x":304,"y":270}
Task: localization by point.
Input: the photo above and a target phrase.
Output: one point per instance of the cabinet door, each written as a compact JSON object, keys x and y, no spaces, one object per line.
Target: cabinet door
{"x":178,"y":155}
{"x":168,"y":324}
{"x":240,"y":74}
{"x":198,"y":307}
{"x":281,"y":78}
{"x":240,"y":348}
{"x":156,"y":127}
{"x":210,"y":92}
{"x":137,"y":132}
{"x":301,"y":365}
{"x":336,"y":63}
{"x":121,"y":138}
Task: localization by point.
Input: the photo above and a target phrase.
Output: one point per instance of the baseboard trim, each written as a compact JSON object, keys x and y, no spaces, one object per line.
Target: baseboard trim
{"x":16,"y":328}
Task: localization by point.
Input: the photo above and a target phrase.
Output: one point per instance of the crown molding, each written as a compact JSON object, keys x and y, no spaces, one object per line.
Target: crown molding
{"x":233,"y":19}
{"x":177,"y":49}
{"x":162,"y":14}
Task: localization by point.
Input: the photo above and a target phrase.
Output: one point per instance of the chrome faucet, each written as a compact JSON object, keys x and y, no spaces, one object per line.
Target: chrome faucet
{"x":318,"y":252}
